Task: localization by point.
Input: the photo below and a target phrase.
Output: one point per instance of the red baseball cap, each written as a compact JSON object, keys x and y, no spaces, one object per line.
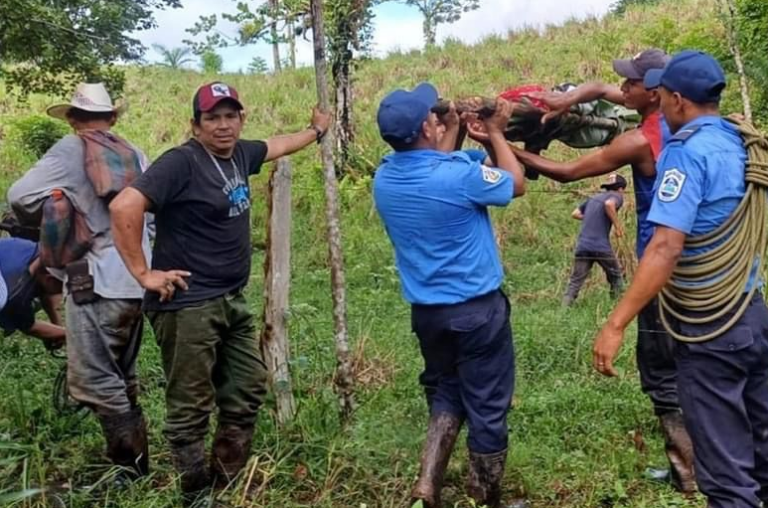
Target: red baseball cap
{"x":208,"y":96}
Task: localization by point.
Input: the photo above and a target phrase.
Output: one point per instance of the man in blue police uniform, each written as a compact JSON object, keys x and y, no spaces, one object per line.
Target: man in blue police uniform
{"x":433,"y":202}
{"x":723,"y":383}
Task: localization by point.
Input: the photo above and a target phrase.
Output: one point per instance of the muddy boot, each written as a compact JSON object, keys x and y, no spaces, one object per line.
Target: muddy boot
{"x":441,"y":436}
{"x":189,"y":461}
{"x":679,"y":450}
{"x":230,"y":452}
{"x":127,"y":446}
{"x":486,"y":470}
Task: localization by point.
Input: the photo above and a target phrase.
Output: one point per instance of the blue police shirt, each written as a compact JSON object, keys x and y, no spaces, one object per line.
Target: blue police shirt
{"x":700,"y":177}
{"x":434,"y":208}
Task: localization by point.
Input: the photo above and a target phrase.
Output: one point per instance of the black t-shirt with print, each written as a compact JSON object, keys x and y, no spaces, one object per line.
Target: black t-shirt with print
{"x":202,"y":218}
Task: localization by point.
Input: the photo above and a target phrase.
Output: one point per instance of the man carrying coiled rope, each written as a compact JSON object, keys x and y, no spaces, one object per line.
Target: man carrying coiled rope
{"x":705,"y":258}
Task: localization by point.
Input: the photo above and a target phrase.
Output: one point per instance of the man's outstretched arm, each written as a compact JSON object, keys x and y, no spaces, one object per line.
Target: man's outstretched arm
{"x":629,"y":148}
{"x":280,"y":146}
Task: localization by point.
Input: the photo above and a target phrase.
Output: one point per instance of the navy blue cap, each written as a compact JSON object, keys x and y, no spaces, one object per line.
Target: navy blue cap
{"x":402,"y":113}
{"x":695,"y":75}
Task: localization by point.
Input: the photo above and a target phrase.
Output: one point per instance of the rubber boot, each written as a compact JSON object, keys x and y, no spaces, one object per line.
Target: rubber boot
{"x":230,"y":452}
{"x":441,"y":437}
{"x":486,"y":470}
{"x":127,"y":446}
{"x":679,"y":450}
{"x":189,"y":461}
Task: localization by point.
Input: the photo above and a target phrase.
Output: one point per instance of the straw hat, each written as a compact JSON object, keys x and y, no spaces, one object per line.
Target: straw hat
{"x":88,"y":97}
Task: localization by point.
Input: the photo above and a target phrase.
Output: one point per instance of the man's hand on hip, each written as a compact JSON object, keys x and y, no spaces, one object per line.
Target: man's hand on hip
{"x":165,"y":283}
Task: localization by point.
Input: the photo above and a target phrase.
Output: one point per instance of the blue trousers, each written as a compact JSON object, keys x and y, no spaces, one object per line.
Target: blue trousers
{"x":723,"y":390}
{"x":469,"y":365}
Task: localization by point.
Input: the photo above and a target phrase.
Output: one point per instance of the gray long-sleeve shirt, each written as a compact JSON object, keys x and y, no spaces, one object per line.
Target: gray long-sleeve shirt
{"x":62,"y":167}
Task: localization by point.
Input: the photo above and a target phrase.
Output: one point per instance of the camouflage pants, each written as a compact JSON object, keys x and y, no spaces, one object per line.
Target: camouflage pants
{"x":211,"y":359}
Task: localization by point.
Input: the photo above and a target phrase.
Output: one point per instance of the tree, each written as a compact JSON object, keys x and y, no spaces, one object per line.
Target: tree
{"x":621,"y":6}
{"x":343,"y":379}
{"x":351,"y":31}
{"x":751,"y":20}
{"x":49,"y":46}
{"x":437,"y":12}
{"x":258,"y":66}
{"x":211,"y":62}
{"x":174,"y":57}
{"x":271,"y":22}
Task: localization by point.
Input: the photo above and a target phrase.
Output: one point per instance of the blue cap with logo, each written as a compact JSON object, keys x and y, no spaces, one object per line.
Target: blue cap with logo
{"x":695,"y":75}
{"x":402,"y":113}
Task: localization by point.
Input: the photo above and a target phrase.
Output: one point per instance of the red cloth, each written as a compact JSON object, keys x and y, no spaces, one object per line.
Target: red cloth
{"x":651,"y":129}
{"x":516,"y":94}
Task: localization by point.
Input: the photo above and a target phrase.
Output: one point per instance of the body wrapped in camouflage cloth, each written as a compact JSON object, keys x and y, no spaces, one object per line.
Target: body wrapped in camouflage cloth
{"x":588,"y":125}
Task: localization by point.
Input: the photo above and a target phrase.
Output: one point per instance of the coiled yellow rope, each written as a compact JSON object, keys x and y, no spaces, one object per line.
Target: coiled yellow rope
{"x":714,"y":282}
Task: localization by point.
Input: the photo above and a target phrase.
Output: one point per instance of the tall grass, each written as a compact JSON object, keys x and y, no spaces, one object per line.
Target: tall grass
{"x":577,"y":440}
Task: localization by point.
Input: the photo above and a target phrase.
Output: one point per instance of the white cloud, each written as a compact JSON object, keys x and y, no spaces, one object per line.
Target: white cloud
{"x":501,"y":16}
{"x":397,"y":27}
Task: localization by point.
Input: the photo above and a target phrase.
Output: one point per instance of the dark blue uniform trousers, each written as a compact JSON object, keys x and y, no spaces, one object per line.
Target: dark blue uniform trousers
{"x":469,"y":365}
{"x":723,"y":389}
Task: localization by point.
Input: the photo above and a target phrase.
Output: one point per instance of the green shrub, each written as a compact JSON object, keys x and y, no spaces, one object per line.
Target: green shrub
{"x":36,"y":134}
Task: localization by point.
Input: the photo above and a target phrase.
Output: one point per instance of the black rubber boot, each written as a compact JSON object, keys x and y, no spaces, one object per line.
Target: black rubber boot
{"x":127,"y":446}
{"x":189,"y":461}
{"x":679,"y":450}
{"x":486,"y":470}
{"x":230,"y":452}
{"x":441,"y":437}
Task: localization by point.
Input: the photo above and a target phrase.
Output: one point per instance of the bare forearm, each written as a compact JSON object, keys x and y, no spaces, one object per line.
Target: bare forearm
{"x":127,"y":229}
{"x":652,"y":274}
{"x":559,"y":171}
{"x":280,"y":146}
{"x":613,"y":216}
{"x":507,"y":161}
{"x":51,"y":304}
{"x":47,"y":331}
{"x":450,"y":140}
{"x":589,"y":92}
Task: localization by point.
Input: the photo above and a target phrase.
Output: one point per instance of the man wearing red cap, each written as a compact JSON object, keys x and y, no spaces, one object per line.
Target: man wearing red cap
{"x":200,"y":195}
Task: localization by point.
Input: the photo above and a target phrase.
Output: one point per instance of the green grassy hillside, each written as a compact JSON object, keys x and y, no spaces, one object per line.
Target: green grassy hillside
{"x":577,"y":440}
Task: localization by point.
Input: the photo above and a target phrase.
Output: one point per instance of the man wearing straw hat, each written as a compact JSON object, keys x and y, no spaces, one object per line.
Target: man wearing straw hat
{"x":103,"y":303}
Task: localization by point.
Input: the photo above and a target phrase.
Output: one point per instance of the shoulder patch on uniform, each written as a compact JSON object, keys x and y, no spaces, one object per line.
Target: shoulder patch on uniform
{"x":684,"y":134}
{"x":490,"y":175}
{"x":671,"y":185}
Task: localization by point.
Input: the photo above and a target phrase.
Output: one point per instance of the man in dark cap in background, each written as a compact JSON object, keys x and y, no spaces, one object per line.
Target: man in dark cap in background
{"x":598,"y":215}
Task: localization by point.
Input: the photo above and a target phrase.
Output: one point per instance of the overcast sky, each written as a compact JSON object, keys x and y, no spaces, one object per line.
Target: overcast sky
{"x":396,"y":26}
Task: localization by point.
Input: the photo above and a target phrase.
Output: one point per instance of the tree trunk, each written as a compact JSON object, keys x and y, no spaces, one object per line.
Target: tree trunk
{"x":733,"y":42}
{"x":273,"y":4}
{"x":275,"y":345}
{"x":345,"y":134}
{"x":430,"y":31}
{"x":343,"y":378}
{"x":292,"y":43}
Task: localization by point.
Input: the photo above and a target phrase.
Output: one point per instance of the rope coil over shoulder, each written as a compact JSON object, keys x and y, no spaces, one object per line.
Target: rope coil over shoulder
{"x":713,"y":282}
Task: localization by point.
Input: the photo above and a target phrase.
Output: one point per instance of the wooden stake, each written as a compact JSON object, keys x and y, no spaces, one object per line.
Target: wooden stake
{"x":275,"y":345}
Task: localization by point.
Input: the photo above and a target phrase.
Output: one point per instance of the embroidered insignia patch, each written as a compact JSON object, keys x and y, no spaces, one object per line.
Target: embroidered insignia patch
{"x":491,"y":175}
{"x":671,"y":185}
